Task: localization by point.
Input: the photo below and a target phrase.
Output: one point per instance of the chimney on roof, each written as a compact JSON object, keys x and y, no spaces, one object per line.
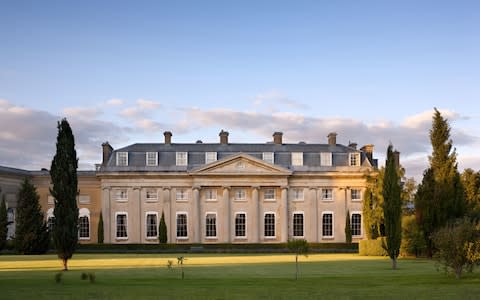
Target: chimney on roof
{"x":168,"y":137}
{"x":396,"y":157}
{"x":277,"y":138}
{"x":107,"y":152}
{"x":332,"y":138}
{"x":223,"y":137}
{"x":353,"y":145}
{"x":368,"y":149}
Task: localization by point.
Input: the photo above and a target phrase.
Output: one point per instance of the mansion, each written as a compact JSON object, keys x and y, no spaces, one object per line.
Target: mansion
{"x":216,"y":192}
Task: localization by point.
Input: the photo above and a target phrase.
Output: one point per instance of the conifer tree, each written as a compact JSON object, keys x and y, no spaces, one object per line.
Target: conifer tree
{"x":31,"y":236}
{"x":162,"y":230}
{"x":3,"y":223}
{"x":100,"y":233}
{"x":392,"y":208}
{"x":348,"y":229}
{"x":63,"y":173}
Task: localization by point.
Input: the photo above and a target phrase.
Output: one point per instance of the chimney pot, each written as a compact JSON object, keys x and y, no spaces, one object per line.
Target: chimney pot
{"x":332,"y":138}
{"x":168,"y":137}
{"x":368,"y":149}
{"x":223,"y":137}
{"x":277,"y":138}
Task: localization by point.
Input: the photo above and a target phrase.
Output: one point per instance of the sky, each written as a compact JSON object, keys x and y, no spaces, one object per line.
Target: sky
{"x":126,"y":71}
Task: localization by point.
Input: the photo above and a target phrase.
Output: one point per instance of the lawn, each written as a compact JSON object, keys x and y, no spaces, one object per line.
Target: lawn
{"x":220,"y":276}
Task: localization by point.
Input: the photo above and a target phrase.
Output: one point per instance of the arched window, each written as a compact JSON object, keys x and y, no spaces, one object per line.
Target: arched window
{"x":84,"y":224}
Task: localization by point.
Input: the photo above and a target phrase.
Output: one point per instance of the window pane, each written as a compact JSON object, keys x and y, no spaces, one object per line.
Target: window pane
{"x":182,"y":225}
{"x":211,"y":225}
{"x":211,"y":194}
{"x":121,"y":194}
{"x":356,"y":224}
{"x":356,"y":194}
{"x":297,"y":158}
{"x":269,"y":194}
{"x":210,"y":157}
{"x":327,"y":194}
{"x":151,"y":194}
{"x":240,"y":225}
{"x":268,"y":157}
{"x":326,"y":159}
{"x":182,"y":158}
{"x":151,"y":225}
{"x":83,"y":227}
{"x":269,"y":230}
{"x":240,"y":194}
{"x":152,"y":158}
{"x":122,"y":158}
{"x":297,"y":225}
{"x":327,"y":225}
{"x":181,"y":194}
{"x":121,"y":226}
{"x":297,"y":194}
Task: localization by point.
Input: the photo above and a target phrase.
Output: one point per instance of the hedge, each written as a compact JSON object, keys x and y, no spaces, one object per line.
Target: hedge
{"x":372,"y":247}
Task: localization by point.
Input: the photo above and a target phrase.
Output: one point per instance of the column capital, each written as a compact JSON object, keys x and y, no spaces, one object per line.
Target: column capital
{"x":285,"y":187}
{"x":226,"y":187}
{"x":198,"y":188}
{"x":313,"y":188}
{"x":255,"y":187}
{"x":107,"y":188}
{"x":137,"y":188}
{"x":166,"y":188}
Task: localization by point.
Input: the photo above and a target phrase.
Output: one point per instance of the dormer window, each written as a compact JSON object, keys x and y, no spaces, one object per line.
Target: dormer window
{"x":182,"y":158}
{"x":122,"y":158}
{"x":297,"y":158}
{"x":354,"y":159}
{"x":152,"y":158}
{"x":210,"y":157}
{"x":326,"y":159}
{"x":268,"y":157}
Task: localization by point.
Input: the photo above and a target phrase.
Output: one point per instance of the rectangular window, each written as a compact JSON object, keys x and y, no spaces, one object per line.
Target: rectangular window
{"x":327,"y":225}
{"x":297,"y":194}
{"x":210,"y":157}
{"x":83,"y":228}
{"x":151,"y":194}
{"x":268,"y":157}
{"x":269,"y":194}
{"x":182,"y":226}
{"x":354,"y":159}
{"x":240,"y":194}
{"x":297,"y":158}
{"x":211,"y":225}
{"x":121,"y":195}
{"x":356,"y":224}
{"x":210,"y":194}
{"x":298,"y":224}
{"x":182,"y":158}
{"x":122,"y":158}
{"x":356,"y":194}
{"x":240,"y":225}
{"x":327,"y":194}
{"x":181,"y":195}
{"x":269,"y":225}
{"x":151,"y":225}
{"x":152,"y":158}
{"x":84,"y":199}
{"x":326,"y":159}
{"x":121,"y":224}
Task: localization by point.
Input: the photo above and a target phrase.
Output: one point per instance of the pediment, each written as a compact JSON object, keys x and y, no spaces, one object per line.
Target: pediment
{"x":240,"y":164}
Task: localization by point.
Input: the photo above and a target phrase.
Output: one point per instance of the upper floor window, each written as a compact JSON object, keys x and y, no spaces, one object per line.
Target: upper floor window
{"x":297,"y":158}
{"x":327,"y":194}
{"x":354,"y":159}
{"x":84,"y":199}
{"x":326,"y":159}
{"x":151,"y":194}
{"x":210,"y":157}
{"x":122,"y":158}
{"x":297,"y":194}
{"x":182,"y":158}
{"x":356,"y":194}
{"x":181,"y":195}
{"x":121,"y":195}
{"x":268,"y":157}
{"x":269,"y":194}
{"x":210,"y":194}
{"x":240,"y":194}
{"x":152,"y":158}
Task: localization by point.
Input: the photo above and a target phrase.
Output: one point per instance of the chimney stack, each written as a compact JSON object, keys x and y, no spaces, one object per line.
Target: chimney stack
{"x":368,"y":149}
{"x":332,"y":138}
{"x":168,"y":137}
{"x":107,"y":152}
{"x":223,"y":137}
{"x":277,"y":137}
{"x":396,"y":157}
{"x":353,"y":145}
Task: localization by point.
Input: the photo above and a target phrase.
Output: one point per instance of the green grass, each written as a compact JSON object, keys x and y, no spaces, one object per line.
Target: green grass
{"x":215,"y":276}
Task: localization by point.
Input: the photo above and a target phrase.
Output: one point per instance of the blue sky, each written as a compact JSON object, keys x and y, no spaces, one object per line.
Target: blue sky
{"x":126,"y":71}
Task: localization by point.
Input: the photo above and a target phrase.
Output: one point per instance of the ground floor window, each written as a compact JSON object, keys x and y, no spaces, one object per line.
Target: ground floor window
{"x":121,"y":221}
{"x":327,"y":225}
{"x":240,"y":225}
{"x":84,"y":227}
{"x":182,"y":225}
{"x":356,"y":224}
{"x":211,"y":225}
{"x":298,"y":225}
{"x":269,"y":225}
{"x":151,"y":224}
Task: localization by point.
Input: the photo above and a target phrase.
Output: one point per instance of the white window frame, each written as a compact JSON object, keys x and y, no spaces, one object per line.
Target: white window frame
{"x":274,"y":225}
{"x":181,"y":194}
{"x":149,"y":192}
{"x":210,"y":194}
{"x":322,"y":196}
{"x":240,"y":194}
{"x":119,"y":193}
{"x":354,"y":159}
{"x":124,"y":213}
{"x":215,"y":225}
{"x":326,"y":159}
{"x":359,"y":194}
{"x":333,"y":225}
{"x":297,"y":158}
{"x":84,"y":213}
{"x":186,"y":225}
{"x":268,"y":157}
{"x":303,"y":224}
{"x":151,"y":161}
{"x":181,"y":158}
{"x":122,"y":159}
{"x":84,"y":199}
{"x":151,"y":213}
{"x":298,"y":194}
{"x":267,"y":192}
{"x":361,"y":225}
{"x":210,"y":157}
{"x":243,"y":237}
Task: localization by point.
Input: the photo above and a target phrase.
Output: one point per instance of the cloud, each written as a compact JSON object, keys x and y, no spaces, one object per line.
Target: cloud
{"x":114,"y":102}
{"x":82,"y":112}
{"x":274,"y":100}
{"x":140,"y":110}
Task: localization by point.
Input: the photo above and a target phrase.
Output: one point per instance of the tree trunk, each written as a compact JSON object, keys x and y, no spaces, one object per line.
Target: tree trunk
{"x":394,"y":263}
{"x":65,"y":266}
{"x":458,"y":272}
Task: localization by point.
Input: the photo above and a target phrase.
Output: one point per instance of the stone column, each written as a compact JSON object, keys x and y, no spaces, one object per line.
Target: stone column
{"x":139,"y":222}
{"x":257,"y":216}
{"x":106,"y":215}
{"x":197,"y":214}
{"x":314,"y":206}
{"x":227,"y":214}
{"x":168,"y":215}
{"x":286,"y":217}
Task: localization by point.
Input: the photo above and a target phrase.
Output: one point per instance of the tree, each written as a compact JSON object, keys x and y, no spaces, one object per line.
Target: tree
{"x":471,"y":184}
{"x":392,"y":208}
{"x":63,"y":173}
{"x":348,"y":229}
{"x":3,"y":224}
{"x":31,"y":236}
{"x":413,"y":242}
{"x":299,"y":247}
{"x":100,"y":230}
{"x":373,"y":206}
{"x":440,"y":197}
{"x":162,"y":230}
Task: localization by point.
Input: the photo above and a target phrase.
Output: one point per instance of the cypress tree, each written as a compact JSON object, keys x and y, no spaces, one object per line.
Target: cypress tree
{"x":3,"y":224}
{"x":31,"y":236}
{"x":348,"y":229}
{"x":100,"y":230}
{"x":425,"y":209}
{"x":63,"y":173}
{"x":392,"y":208}
{"x":162,"y":230}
